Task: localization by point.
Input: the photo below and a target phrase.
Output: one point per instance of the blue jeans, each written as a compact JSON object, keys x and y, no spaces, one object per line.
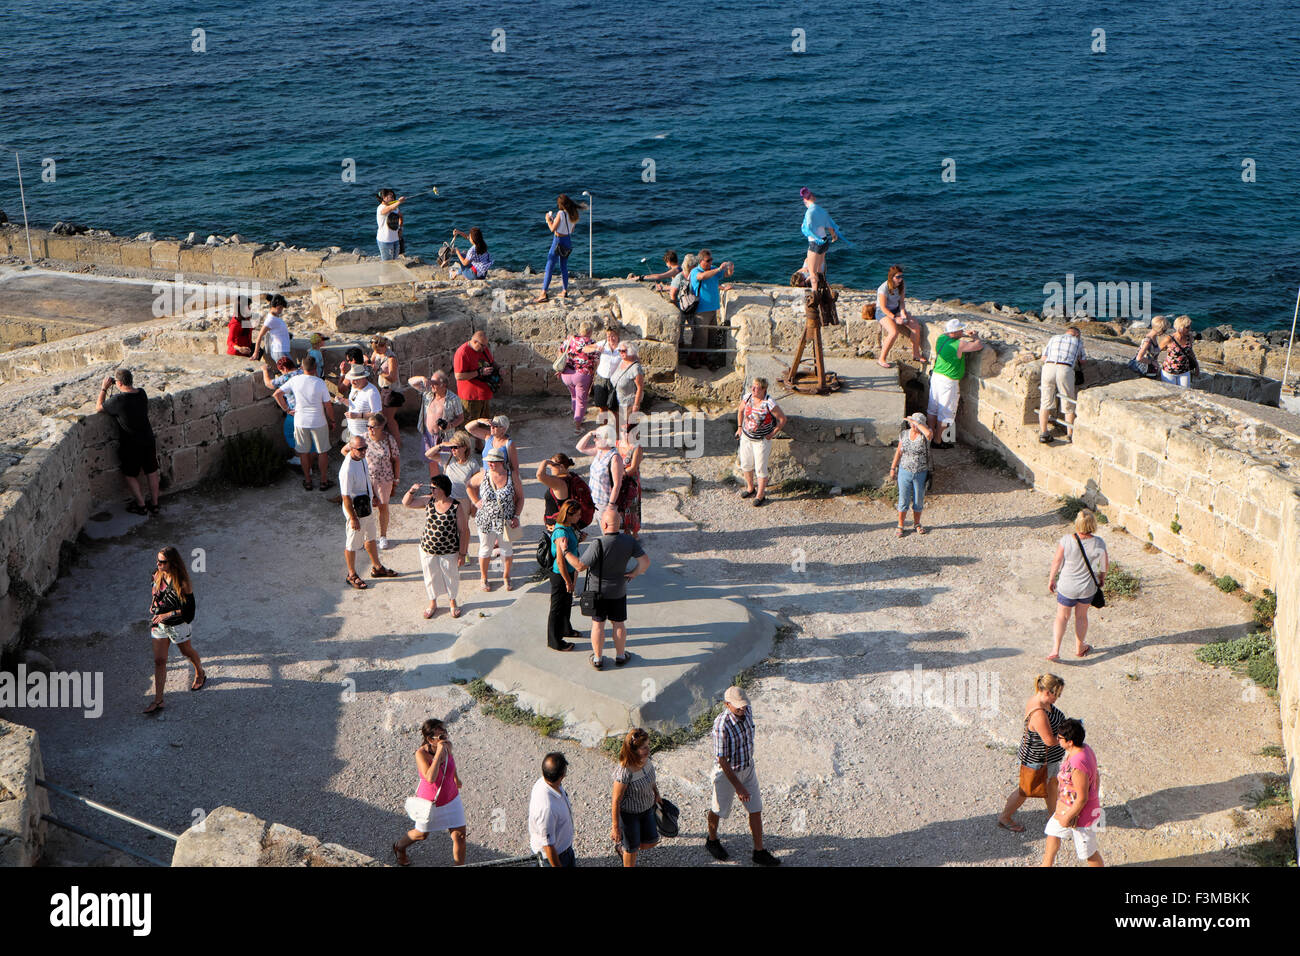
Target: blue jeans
{"x":911,"y":490}
{"x":387,"y":250}
{"x":552,"y":257}
{"x":1181,"y":379}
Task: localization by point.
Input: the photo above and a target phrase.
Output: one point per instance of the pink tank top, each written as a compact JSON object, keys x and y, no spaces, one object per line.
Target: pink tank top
{"x":449,"y":791}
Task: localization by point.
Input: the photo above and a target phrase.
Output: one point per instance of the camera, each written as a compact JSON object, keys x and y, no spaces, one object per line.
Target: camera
{"x":442,"y":424}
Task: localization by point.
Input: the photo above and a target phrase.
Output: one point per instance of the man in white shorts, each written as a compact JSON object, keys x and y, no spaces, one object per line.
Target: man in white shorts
{"x":362,"y":531}
{"x":945,"y":380}
{"x":734,"y":775}
{"x":757,"y":420}
{"x":313,"y":417}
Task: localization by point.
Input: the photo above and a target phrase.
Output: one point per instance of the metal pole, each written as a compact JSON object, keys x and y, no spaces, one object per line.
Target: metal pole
{"x":23,"y":195}
{"x":103,"y":840}
{"x":590,"y":271}
{"x":109,"y":810}
{"x":1287,"y":371}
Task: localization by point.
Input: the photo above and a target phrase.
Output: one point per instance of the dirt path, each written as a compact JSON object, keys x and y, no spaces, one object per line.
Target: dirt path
{"x":854,"y":770}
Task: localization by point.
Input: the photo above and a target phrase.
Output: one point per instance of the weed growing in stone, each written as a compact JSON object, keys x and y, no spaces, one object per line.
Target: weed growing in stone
{"x":987,"y":458}
{"x":251,"y":460}
{"x":1121,"y":582}
{"x":696,"y":729}
{"x":1265,"y":608}
{"x":1198,"y":569}
{"x":1227,"y":584}
{"x":505,"y":708}
{"x":1272,"y":750}
{"x":1274,"y":793}
{"x":813,"y":489}
{"x":1252,"y":655}
{"x":885,"y":492}
{"x":1070,"y":507}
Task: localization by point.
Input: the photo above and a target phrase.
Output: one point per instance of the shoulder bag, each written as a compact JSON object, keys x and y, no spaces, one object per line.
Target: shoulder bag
{"x":587,"y":603}
{"x":562,"y":361}
{"x":1099,"y":598}
{"x":1033,"y":781}
{"x":361,"y":503}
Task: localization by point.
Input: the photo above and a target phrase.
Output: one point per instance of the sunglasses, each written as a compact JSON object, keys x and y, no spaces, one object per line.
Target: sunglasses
{"x":162,"y":560}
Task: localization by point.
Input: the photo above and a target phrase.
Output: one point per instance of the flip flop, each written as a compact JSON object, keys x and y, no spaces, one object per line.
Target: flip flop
{"x":201,"y":682}
{"x":356,"y":582}
{"x":1013,"y":827}
{"x":1054,"y":658}
{"x":429,"y":612}
{"x":455,"y":611}
{"x":1086,"y":649}
{"x":153,"y":708}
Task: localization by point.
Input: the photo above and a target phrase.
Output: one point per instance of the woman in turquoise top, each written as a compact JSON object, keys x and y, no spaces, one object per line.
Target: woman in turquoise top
{"x":821,"y":231}
{"x":564,"y":545}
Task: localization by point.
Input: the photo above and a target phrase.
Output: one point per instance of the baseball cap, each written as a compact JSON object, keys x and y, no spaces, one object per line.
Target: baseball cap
{"x":954,"y":325}
{"x":735,"y":697}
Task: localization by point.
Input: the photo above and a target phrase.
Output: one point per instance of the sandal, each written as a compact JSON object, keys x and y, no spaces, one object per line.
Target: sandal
{"x":748,"y":494}
{"x":306,"y":484}
{"x":382,"y":572}
{"x":1054,"y":658}
{"x":154,"y":708}
{"x":356,"y":582}
{"x":1086,"y":649}
{"x":920,"y":530}
{"x":620,"y":661}
{"x":540,"y":299}
{"x":429,"y":612}
{"x":398,"y":854}
{"x":200,"y":682}
{"x":596,"y":662}
{"x":136,"y":508}
{"x":1012,"y":826}
{"x":485,"y":586}
{"x":326,"y":485}
{"x":899,"y":532}
{"x":455,"y":610}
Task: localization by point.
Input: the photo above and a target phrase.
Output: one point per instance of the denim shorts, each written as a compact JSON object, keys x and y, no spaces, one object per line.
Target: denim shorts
{"x":819,"y":247}
{"x":638,"y":828}
{"x":1071,"y":602}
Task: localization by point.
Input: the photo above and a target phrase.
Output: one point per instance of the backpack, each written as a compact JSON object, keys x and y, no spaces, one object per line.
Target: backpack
{"x":545,"y":559}
{"x":580,"y":492}
{"x":687,"y":301}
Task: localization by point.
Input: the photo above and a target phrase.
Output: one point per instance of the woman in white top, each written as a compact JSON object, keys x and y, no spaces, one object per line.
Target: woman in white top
{"x":273,"y":329}
{"x":891,"y":310}
{"x":609,"y":360}
{"x":388,"y":236}
{"x":561,"y":223}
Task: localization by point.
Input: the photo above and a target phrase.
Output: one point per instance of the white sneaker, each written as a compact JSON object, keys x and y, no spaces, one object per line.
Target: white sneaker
{"x":383,"y":544}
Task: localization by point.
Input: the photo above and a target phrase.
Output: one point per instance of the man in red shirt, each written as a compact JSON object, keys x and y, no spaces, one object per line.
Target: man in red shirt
{"x":239,"y":337}
{"x":473,"y":365}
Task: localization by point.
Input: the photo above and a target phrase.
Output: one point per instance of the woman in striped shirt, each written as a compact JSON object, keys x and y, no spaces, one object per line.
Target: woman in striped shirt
{"x":1039,"y":745}
{"x":635,"y":797}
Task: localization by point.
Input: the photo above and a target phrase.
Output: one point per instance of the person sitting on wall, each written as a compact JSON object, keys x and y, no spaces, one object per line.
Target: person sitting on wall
{"x":239,"y":334}
{"x":475,"y":262}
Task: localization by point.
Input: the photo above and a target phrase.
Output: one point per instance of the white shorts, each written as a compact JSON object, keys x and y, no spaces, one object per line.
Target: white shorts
{"x":428,"y":818}
{"x":368,"y":531}
{"x":176,"y":633}
{"x":1085,"y":838}
{"x":724,"y":792}
{"x":944,"y":392}
{"x":441,"y":574}
{"x":487,"y":540}
{"x":754,"y":454}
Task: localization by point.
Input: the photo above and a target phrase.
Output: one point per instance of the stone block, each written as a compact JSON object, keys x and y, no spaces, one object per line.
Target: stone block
{"x":1118,"y":487}
{"x":63,"y":248}
{"x":530,"y":380}
{"x":201,"y":430}
{"x":1146,"y":465}
{"x":657,"y":354}
{"x":303,"y":265}
{"x":1244,"y":354}
{"x":1188,"y":453}
{"x":38,"y":248}
{"x":646,"y":311}
{"x":370,"y":318}
{"x":184,"y":468}
{"x":263,"y":415}
{"x":166,"y":254}
{"x":196,"y":260}
{"x":22,"y":802}
{"x":231,"y":838}
{"x":104,"y":252}
{"x":1198,"y":525}
{"x":530,"y":326}
{"x":137,"y":255}
{"x":271,"y":265}
{"x":234,"y":260}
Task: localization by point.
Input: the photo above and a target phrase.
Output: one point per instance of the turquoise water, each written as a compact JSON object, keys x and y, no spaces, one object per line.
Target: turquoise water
{"x":1119,"y":167}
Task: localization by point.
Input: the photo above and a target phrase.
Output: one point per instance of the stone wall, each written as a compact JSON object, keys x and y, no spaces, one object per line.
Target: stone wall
{"x":230,"y":837}
{"x":22,"y":802}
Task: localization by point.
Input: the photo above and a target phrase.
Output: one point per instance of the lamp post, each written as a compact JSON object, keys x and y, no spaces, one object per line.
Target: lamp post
{"x":1286,"y":372}
{"x":23,"y":197}
{"x":590,"y":271}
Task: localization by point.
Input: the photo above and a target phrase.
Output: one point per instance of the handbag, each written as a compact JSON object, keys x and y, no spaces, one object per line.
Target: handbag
{"x":1033,"y":781}
{"x":561,"y":363}
{"x":361,"y":503}
{"x":1098,"y":598}
{"x":587,"y":603}
{"x":666,"y":814}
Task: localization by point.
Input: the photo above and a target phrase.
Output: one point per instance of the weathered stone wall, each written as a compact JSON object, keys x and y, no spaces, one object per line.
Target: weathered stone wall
{"x":22,"y":802}
{"x":230,"y":837}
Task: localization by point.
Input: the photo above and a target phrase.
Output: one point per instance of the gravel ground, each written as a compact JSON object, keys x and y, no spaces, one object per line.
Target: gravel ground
{"x":855,"y":769}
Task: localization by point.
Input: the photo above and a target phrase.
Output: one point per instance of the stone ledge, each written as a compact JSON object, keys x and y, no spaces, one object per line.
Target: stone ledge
{"x":22,"y":802}
{"x":230,"y":837}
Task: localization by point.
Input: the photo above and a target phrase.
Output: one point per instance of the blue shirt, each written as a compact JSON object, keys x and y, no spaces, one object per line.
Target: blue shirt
{"x":289,"y":398}
{"x":562,"y":531}
{"x":707,"y":290}
{"x":816,"y":223}
{"x":320,"y":361}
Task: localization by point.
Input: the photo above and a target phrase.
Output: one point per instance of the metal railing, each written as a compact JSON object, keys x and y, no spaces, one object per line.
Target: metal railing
{"x":533,"y":859}
{"x":112,"y":844}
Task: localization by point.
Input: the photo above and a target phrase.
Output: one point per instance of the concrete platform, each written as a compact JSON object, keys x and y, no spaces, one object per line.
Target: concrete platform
{"x":870,"y":400}
{"x":688,"y":641}
{"x":38,"y":305}
{"x":366,"y":274}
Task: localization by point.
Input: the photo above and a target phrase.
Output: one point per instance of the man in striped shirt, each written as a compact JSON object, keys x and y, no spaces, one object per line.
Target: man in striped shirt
{"x":734,"y":775}
{"x":1059,"y":358}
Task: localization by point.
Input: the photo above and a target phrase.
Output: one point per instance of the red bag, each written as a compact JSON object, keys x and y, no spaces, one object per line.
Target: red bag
{"x":581,"y":493}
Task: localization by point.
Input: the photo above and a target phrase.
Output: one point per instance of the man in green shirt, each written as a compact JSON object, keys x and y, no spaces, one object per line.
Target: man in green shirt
{"x":949,"y":369}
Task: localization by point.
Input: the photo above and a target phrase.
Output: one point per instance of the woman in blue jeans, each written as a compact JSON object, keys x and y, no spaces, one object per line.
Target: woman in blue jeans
{"x":910,"y":467}
{"x":561,"y":223}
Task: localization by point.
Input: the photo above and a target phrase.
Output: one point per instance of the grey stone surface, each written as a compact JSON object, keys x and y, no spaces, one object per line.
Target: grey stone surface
{"x":22,"y":831}
{"x":230,"y":837}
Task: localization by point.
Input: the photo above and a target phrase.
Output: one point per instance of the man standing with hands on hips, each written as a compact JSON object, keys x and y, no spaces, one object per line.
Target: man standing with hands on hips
{"x":734,"y":775}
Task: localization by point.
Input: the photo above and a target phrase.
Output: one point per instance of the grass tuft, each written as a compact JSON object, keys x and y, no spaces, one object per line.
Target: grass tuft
{"x":682,"y":736}
{"x":1272,"y":750}
{"x":1121,"y":582}
{"x":1265,"y":608}
{"x":1252,"y":655}
{"x":815,"y":489}
{"x":1227,"y":584}
{"x":1275,"y":792}
{"x":505,"y":708}
{"x":1198,"y":569}
{"x":252,"y":460}
{"x":992,"y":460}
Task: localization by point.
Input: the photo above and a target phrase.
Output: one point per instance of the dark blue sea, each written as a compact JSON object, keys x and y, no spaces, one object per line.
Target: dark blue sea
{"x":1122,"y":166}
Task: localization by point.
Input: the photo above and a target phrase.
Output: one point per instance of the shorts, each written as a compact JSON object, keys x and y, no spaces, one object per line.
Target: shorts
{"x":638,"y":828}
{"x":1053,"y":768}
{"x":610,"y":609}
{"x":383,"y":491}
{"x":176,"y":633}
{"x":367,"y":532}
{"x":819,"y":247}
{"x":487,"y":540}
{"x":311,"y":441}
{"x":477,"y":408}
{"x":1085,"y":838}
{"x":566,"y":858}
{"x":428,"y":818}
{"x":137,"y":457}
{"x":944,"y":393}
{"x":754,"y":454}
{"x":1064,"y":601}
{"x":1181,"y":379}
{"x":1056,"y":378}
{"x":724,"y":792}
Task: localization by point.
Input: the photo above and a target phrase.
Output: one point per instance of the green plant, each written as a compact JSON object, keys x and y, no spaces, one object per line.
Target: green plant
{"x":1174,"y":526}
{"x":1227,"y":584}
{"x":987,"y":458}
{"x":886,"y":492}
{"x":505,"y":708}
{"x":1252,"y":655}
{"x":1265,"y":608}
{"x":815,"y":489}
{"x":1277,"y":851}
{"x":1121,"y":582}
{"x":1198,"y":569}
{"x":1275,"y":792}
{"x":1272,"y":750}
{"x":697,"y":728}
{"x":1134,"y":676}
{"x":252,"y":460}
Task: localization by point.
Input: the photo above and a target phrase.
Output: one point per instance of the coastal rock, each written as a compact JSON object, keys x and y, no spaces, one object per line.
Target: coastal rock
{"x":145,"y":237}
{"x":1218,"y":333}
{"x":212,"y":241}
{"x":192,"y":238}
{"x":1279,"y":339}
{"x":528,"y":271}
{"x":3,"y":218}
{"x":236,"y":238}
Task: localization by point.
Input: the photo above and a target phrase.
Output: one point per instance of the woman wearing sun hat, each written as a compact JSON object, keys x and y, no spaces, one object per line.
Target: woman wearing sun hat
{"x":910,"y":467}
